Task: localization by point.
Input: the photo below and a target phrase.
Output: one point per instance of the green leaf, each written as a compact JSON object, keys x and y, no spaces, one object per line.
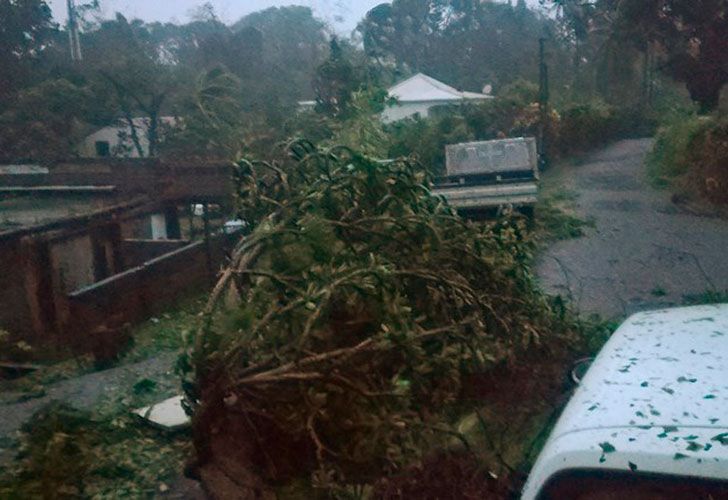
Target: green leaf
{"x":693,"y":446}
{"x":607,"y":447}
{"x":721,"y":438}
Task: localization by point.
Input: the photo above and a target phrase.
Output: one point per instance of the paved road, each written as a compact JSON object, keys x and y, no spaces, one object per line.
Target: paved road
{"x":645,"y":251}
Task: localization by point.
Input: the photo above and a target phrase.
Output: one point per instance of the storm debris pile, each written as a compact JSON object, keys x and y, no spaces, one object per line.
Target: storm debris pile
{"x":360,"y":300}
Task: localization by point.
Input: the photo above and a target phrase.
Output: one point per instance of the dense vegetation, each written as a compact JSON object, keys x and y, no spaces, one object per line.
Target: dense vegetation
{"x":361,"y":302}
{"x":691,"y":155}
{"x":235,"y":89}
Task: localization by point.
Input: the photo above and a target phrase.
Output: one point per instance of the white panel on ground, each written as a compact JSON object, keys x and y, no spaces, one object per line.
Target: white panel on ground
{"x":169,"y":414}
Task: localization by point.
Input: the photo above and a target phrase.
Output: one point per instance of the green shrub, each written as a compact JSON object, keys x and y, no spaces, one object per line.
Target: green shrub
{"x":513,"y":114}
{"x":691,"y":154}
{"x":67,"y":453}
{"x":585,"y":126}
{"x":670,"y":156}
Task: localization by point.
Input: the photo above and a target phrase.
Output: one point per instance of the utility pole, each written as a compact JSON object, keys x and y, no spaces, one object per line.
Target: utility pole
{"x":543,"y":106}
{"x":73,"y":32}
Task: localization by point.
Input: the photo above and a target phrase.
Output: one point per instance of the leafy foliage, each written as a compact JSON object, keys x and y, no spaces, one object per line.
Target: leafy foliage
{"x":334,"y":83}
{"x":27,"y":26}
{"x":465,"y":43}
{"x":691,"y":152}
{"x":68,"y":453}
{"x":362,"y":300}
{"x":45,"y":121}
{"x":212,"y":122}
{"x":686,"y":37}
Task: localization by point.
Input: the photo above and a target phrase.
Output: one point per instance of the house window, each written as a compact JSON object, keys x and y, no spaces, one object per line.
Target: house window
{"x":103,"y":149}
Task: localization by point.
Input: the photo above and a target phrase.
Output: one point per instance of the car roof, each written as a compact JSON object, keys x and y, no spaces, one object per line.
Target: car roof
{"x":658,"y":385}
{"x":667,"y":367}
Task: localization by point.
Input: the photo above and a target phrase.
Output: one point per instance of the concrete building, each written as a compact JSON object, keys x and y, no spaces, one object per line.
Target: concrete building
{"x":419,"y":94}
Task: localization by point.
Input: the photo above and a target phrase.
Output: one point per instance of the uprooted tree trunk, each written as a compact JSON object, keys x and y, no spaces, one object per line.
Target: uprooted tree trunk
{"x":361,"y":300}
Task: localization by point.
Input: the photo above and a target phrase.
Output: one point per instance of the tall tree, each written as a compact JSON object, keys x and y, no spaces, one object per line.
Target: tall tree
{"x":26,"y":26}
{"x":690,"y":38}
{"x":213,"y":123}
{"x":139,"y":74}
{"x":335,"y":83}
{"x":45,"y":121}
{"x":466,"y":43}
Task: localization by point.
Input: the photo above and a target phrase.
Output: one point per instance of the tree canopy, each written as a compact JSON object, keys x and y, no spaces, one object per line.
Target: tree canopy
{"x":465,"y":43}
{"x":688,"y":39}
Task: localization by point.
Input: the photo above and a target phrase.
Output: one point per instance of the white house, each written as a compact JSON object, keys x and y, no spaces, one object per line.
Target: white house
{"x":419,"y":94}
{"x":115,"y":140}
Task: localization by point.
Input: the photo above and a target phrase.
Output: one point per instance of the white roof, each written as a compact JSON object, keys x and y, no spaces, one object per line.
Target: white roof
{"x":654,"y":400}
{"x":422,"y":88}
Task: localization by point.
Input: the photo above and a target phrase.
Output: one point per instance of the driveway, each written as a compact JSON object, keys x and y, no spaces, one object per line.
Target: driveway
{"x":645,"y":252}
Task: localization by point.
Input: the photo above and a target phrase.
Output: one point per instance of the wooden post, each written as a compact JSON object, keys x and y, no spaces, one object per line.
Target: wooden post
{"x":543,"y":105}
{"x":208,"y":248}
{"x":39,"y":287}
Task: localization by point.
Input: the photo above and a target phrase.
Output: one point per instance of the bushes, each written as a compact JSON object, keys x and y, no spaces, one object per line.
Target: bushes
{"x":709,"y":162}
{"x":586,"y":126}
{"x":669,"y":157}
{"x":512,"y":114}
{"x":692,"y":153}
{"x":582,"y":127}
{"x":572,"y":129}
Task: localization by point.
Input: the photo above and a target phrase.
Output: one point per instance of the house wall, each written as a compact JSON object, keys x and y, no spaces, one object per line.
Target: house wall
{"x":407,"y":110}
{"x":119,"y":149}
{"x":137,"y":252}
{"x":15,"y":313}
{"x":425,"y":109}
{"x":147,"y":289}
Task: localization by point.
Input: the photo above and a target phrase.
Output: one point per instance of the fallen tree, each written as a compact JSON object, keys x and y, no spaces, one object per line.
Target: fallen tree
{"x":335,"y":341}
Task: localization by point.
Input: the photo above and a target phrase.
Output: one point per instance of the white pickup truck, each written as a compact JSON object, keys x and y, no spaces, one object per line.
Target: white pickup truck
{"x":649,"y":419}
{"x":491,"y":175}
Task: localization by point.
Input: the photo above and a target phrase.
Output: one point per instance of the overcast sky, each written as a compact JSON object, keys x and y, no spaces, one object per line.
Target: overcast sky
{"x":342,"y":14}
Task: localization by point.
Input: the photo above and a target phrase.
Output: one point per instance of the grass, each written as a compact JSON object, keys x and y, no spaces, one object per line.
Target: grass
{"x":72,"y":454}
{"x":167,"y":332}
{"x":556,"y":219}
{"x":706,"y":298}
{"x":164,"y":333}
{"x":107,"y":452}
{"x":670,"y":156}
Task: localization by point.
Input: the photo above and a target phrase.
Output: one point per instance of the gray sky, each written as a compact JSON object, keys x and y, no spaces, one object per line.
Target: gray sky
{"x":341,"y":14}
